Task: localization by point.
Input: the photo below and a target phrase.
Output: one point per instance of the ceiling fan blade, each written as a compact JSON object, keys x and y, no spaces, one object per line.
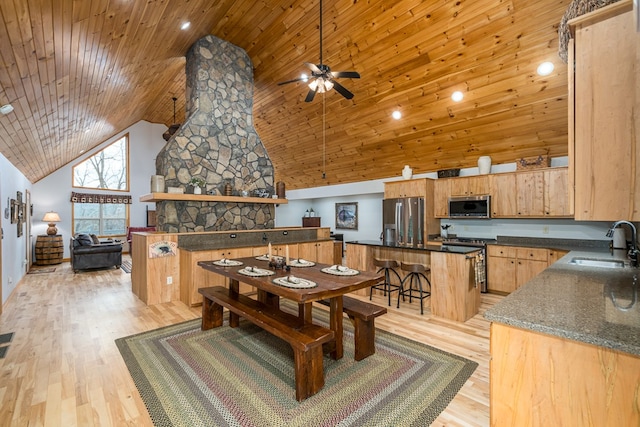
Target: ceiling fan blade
{"x":346,"y":74}
{"x":313,"y":67}
{"x":292,"y":81}
{"x":310,"y":95}
{"x":342,"y":90}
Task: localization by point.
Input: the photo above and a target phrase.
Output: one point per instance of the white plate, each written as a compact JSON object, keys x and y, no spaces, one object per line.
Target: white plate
{"x":227,"y":262}
{"x":255,"y":272}
{"x":298,"y":283}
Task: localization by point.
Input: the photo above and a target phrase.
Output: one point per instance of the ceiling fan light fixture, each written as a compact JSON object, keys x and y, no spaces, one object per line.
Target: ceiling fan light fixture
{"x":321,"y":85}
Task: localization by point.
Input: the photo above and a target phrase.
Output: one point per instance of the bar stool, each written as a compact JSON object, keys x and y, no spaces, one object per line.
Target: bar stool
{"x":389,"y":266}
{"x":416,"y":272}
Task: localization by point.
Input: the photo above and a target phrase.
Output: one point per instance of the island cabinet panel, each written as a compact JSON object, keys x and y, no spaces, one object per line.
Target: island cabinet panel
{"x":543,"y":380}
{"x":606,"y":122}
{"x":321,"y":252}
{"x":193,"y":277}
{"x":454,"y":292}
{"x":150,"y":276}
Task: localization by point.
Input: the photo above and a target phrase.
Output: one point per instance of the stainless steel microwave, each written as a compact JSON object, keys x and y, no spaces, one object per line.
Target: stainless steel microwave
{"x":470,"y":207}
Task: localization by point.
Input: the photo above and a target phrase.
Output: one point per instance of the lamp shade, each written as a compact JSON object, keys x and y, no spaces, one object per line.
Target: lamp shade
{"x":51,"y":218}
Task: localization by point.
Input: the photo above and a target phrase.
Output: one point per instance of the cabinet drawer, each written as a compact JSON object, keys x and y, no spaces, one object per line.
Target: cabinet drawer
{"x":501,"y":251}
{"x":536,"y":254}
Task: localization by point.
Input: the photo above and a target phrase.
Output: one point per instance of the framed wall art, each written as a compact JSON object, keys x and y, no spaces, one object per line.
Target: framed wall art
{"x":347,"y":216}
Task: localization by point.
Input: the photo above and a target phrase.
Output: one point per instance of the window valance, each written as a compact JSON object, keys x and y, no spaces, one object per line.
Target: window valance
{"x":124,"y":199}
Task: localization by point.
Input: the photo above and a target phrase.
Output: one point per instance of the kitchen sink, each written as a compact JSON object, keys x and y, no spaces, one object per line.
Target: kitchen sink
{"x":594,"y":262}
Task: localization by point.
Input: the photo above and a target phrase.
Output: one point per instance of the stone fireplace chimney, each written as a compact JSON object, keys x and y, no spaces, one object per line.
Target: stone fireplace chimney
{"x":218,"y":143}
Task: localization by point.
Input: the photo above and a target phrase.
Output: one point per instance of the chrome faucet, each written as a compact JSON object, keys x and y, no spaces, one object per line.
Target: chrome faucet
{"x":633,"y":250}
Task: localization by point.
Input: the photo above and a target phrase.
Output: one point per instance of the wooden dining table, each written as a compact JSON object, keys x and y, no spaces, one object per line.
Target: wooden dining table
{"x":329,"y":287}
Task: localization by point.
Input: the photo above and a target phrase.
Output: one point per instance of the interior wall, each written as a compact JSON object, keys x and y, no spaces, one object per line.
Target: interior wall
{"x":53,"y":192}
{"x":14,"y":248}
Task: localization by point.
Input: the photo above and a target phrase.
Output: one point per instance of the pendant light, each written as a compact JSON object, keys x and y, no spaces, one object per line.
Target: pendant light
{"x":175,"y":126}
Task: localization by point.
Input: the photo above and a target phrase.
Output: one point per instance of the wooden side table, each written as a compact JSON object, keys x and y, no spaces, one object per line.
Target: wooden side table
{"x":311,"y":221}
{"x":49,"y":249}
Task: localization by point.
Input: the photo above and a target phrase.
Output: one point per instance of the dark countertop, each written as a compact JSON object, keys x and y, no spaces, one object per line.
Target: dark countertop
{"x":553,"y":243}
{"x":427,"y":248}
{"x":588,"y":304}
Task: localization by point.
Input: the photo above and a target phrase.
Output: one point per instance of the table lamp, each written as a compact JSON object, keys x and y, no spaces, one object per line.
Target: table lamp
{"x":51,"y":218}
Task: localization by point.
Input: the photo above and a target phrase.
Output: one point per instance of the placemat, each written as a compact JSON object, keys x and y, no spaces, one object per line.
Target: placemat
{"x":227,"y":262}
{"x":255,"y":272}
{"x":338,"y":270}
{"x":294,"y":282}
{"x":301,"y":263}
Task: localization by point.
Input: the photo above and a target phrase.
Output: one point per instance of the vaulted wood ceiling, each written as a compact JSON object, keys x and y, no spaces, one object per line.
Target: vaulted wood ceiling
{"x":78,"y":72}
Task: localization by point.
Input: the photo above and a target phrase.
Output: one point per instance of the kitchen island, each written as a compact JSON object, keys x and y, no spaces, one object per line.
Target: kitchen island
{"x":565,"y":347}
{"x":455,"y":294}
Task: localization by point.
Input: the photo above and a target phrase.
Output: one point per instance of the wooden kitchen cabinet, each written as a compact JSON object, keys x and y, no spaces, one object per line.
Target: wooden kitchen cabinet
{"x":503,"y":191}
{"x":441,"y":192}
{"x":469,"y":185}
{"x":604,"y":116}
{"x":557,"y":201}
{"x":321,"y":252}
{"x":510,"y":267}
{"x":530,"y":194}
{"x":406,"y":188}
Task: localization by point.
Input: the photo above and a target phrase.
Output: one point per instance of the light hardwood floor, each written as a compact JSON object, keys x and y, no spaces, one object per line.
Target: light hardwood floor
{"x":64,"y":369}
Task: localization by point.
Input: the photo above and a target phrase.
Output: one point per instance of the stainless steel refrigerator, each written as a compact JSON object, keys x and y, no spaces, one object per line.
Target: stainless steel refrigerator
{"x":403,"y":222}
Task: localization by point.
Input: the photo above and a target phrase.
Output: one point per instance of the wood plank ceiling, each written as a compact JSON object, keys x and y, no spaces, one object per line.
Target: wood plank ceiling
{"x":78,"y":72}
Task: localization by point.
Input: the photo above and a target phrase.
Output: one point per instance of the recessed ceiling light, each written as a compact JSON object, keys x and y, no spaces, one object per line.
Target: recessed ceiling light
{"x":545,"y":68}
{"x":185,"y":25}
{"x":396,"y":115}
{"x":457,"y":96}
{"x":6,"y":109}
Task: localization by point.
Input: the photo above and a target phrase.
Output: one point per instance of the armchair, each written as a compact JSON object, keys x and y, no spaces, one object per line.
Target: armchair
{"x":136,"y":230}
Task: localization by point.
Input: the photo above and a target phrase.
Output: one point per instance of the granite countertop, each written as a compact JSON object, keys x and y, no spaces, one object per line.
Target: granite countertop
{"x":589,"y":304}
{"x":428,"y":248}
{"x":554,"y":243}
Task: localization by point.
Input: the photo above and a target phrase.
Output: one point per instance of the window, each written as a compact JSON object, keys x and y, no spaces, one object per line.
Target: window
{"x":109,"y":219}
{"x":99,"y":213}
{"x":106,"y":170}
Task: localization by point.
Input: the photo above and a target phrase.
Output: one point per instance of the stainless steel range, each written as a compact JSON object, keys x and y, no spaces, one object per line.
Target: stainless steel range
{"x":481,"y":263}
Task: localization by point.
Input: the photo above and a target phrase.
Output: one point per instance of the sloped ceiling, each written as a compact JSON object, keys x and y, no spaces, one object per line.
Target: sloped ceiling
{"x":78,"y":72}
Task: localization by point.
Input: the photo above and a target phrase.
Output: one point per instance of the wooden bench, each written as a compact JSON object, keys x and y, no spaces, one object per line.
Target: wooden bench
{"x":362,"y":315}
{"x":305,"y":339}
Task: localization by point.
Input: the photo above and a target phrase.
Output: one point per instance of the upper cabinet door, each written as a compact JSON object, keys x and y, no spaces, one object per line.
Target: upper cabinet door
{"x":606,"y":106}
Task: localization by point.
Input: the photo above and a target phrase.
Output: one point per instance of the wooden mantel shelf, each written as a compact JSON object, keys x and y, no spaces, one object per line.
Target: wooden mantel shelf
{"x":161,"y":197}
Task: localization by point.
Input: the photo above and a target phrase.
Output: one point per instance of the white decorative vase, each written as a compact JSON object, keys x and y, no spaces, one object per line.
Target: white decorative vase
{"x":407,"y":172}
{"x":197,"y":190}
{"x":484,"y":165}
{"x":157,"y":183}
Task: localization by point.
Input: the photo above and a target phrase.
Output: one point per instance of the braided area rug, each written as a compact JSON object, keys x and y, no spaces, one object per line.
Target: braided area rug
{"x":244,"y":377}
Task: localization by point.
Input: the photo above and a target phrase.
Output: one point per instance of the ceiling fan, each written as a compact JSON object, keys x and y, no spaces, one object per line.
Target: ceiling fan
{"x":322,"y":79}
